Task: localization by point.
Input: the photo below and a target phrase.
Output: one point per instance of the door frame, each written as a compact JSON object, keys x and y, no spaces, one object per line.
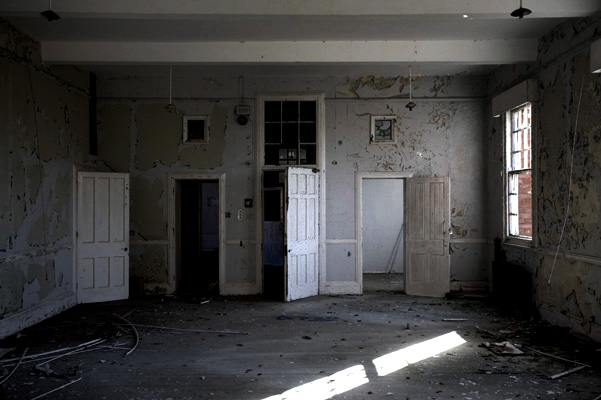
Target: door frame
{"x":359,"y":177}
{"x":260,"y":167}
{"x":172,"y":205}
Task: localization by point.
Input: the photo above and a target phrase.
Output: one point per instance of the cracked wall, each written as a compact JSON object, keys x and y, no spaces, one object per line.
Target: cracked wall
{"x":441,"y":137}
{"x":565,"y":112}
{"x":44,"y":129}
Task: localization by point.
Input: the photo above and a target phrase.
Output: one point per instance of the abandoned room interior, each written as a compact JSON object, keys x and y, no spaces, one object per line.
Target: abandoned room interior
{"x":281,"y":200}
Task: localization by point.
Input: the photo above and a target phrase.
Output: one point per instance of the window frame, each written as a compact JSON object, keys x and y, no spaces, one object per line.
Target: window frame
{"x":372,"y":133}
{"x":319,"y":99}
{"x":187,"y":118}
{"x":507,"y":153}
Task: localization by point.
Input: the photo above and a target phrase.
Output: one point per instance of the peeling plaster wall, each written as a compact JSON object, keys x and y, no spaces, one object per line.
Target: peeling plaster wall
{"x":44,"y":131}
{"x":443,"y":136}
{"x":573,"y":296}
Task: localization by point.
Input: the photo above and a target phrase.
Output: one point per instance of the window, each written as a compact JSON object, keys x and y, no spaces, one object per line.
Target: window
{"x":518,"y":164}
{"x":382,"y":129}
{"x":290,"y":132}
{"x":196,"y":129}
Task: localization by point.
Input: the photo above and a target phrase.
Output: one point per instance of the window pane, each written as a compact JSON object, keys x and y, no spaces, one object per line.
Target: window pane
{"x":271,"y":154}
{"x":308,"y":154}
{"x":272,"y":111}
{"x":290,"y":134}
{"x":308,"y":133}
{"x":290,"y":111}
{"x":520,"y":204}
{"x":307,"y":111}
{"x":519,"y":183}
{"x":288,"y":124}
{"x":273,"y":133}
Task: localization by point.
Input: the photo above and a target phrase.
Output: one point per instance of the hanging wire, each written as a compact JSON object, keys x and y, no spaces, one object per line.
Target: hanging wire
{"x":565,"y":219}
{"x":411,"y":105}
{"x":170,"y":83}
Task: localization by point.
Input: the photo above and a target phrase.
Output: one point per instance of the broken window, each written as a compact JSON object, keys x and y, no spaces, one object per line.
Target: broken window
{"x":290,"y":132}
{"x":382,"y":129}
{"x":196,"y":129}
{"x":518,"y":163}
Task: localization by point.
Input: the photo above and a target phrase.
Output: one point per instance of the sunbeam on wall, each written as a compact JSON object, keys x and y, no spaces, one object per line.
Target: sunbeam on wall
{"x":353,"y":377}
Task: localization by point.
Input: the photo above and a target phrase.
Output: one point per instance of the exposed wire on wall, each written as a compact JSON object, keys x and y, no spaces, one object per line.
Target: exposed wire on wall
{"x":37,"y":149}
{"x":565,"y":219}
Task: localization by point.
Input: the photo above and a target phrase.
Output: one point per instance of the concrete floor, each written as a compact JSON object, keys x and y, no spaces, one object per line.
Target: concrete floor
{"x":331,"y":341}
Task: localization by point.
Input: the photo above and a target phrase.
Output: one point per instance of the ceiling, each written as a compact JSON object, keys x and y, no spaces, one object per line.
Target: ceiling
{"x":433,"y":36}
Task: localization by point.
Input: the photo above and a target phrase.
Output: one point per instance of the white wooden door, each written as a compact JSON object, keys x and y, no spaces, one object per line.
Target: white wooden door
{"x":102,"y":236}
{"x":302,"y":233}
{"x":427,"y":271}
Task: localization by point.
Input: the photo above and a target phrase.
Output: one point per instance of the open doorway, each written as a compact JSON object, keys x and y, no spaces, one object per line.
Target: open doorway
{"x":197,"y":225}
{"x":381,"y":230}
{"x":273,"y":235}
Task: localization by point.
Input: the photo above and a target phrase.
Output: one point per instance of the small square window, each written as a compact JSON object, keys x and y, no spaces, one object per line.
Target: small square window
{"x":382,"y":129}
{"x":196,"y":129}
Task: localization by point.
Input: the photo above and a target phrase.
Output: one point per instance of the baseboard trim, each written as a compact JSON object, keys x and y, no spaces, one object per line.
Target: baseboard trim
{"x":14,"y":323}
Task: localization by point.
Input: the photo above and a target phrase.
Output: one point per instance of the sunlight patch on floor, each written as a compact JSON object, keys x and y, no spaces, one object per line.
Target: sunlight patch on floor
{"x":394,"y":361}
{"x":353,"y":377}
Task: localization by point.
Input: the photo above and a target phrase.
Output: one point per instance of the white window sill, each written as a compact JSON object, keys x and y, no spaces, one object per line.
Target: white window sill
{"x":519,"y":242}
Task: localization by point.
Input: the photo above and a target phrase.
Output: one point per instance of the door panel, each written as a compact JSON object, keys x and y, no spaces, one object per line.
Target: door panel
{"x":302,"y":238}
{"x":102,"y":236}
{"x":428,"y":271}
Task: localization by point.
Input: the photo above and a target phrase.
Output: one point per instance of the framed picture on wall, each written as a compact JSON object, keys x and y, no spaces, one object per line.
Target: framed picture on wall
{"x":382,"y":129}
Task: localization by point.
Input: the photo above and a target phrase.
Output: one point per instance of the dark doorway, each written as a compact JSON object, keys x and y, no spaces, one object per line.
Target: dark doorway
{"x":273,"y":235}
{"x":198,"y":233}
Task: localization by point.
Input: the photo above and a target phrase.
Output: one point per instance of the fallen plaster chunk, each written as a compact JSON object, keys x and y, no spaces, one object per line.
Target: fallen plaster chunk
{"x":503,"y":348}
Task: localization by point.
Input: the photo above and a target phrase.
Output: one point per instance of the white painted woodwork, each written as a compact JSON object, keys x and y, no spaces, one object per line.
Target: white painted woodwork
{"x":427,"y":271}
{"x":319,"y":98}
{"x":102,"y":236}
{"x":302,"y":233}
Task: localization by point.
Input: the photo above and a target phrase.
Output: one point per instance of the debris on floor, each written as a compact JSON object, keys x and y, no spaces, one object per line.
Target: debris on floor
{"x":503,"y":348}
{"x":249,"y":348}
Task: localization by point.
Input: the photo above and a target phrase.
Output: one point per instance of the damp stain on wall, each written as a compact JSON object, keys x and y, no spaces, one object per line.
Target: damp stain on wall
{"x":149,"y":263}
{"x":11,"y":288}
{"x":573,"y":291}
{"x":351,"y":87}
{"x":45,"y":277}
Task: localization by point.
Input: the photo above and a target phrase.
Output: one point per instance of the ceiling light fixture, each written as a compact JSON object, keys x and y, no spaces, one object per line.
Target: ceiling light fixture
{"x":170,"y":107}
{"x":49,"y":14}
{"x":521,"y":12}
{"x":411,"y":105}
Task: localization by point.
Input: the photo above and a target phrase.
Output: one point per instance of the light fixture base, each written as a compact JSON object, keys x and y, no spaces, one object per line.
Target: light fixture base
{"x":50,"y":15}
{"x":521,"y":12}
